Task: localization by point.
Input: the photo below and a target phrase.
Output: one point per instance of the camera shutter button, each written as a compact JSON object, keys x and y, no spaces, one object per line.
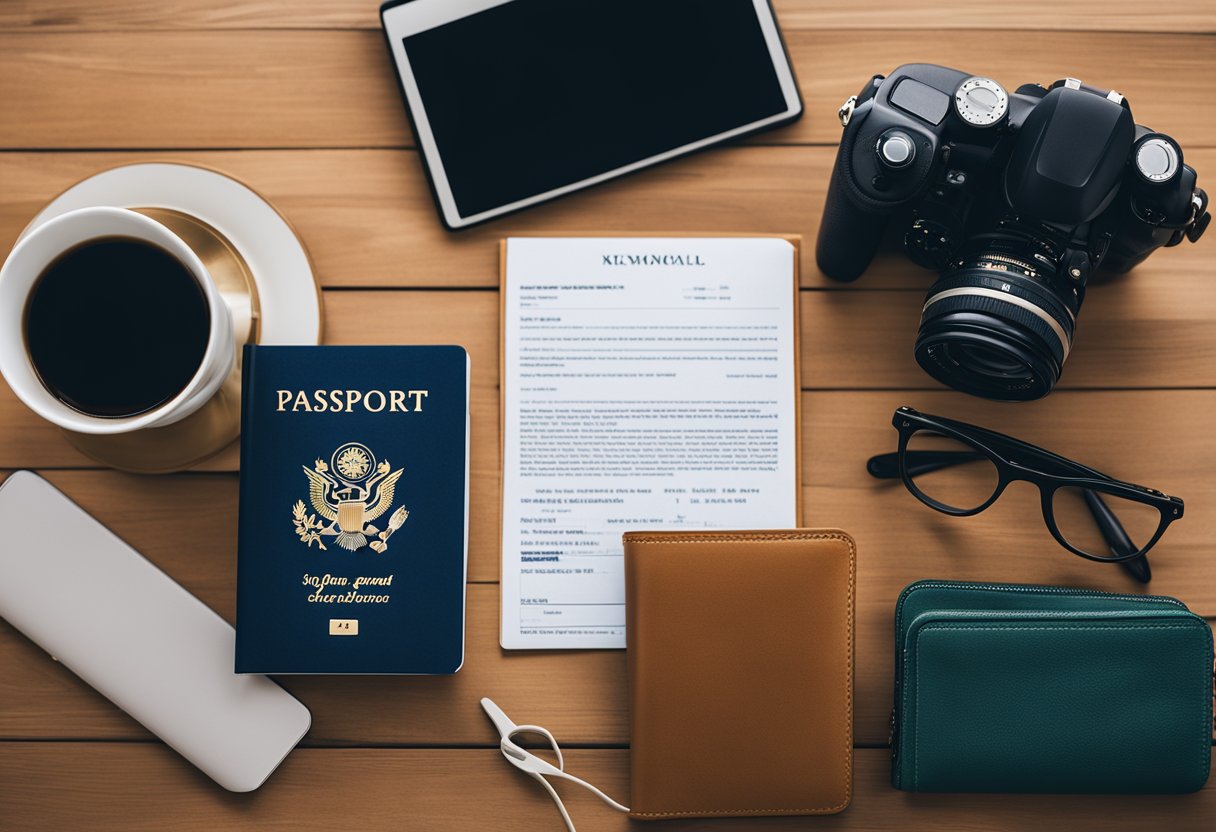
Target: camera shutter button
{"x":896,"y":149}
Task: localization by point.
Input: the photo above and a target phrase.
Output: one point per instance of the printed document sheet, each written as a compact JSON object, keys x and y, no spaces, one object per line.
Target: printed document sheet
{"x":648,"y":384}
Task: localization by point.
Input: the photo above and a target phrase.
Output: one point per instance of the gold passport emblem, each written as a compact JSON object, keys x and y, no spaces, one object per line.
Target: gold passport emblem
{"x":347,"y":494}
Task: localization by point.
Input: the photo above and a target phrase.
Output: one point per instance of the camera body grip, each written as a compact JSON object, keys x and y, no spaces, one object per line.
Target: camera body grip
{"x":889,"y":152}
{"x":848,"y":233}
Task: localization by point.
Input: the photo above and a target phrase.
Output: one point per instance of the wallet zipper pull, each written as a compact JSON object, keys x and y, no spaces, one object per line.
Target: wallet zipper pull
{"x":891,"y":734}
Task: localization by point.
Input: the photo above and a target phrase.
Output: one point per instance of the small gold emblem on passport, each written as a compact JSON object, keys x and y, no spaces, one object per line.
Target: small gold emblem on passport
{"x":349,"y":492}
{"x":344,"y":626}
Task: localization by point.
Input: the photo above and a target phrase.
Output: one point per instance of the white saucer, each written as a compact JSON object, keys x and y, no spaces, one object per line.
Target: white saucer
{"x":288,"y":292}
{"x":288,"y":296}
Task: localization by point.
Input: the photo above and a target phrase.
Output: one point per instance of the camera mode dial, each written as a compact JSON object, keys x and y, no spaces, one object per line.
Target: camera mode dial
{"x":1157,"y":159}
{"x":981,"y":102}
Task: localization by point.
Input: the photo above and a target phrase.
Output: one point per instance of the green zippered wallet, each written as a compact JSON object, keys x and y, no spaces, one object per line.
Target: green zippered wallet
{"x":1016,"y":688}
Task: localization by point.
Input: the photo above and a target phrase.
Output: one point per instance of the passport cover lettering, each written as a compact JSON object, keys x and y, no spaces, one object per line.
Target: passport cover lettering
{"x":353,"y":532}
{"x":740,"y":657}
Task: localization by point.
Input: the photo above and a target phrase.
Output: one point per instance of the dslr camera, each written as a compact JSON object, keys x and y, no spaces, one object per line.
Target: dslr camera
{"x":1014,"y":199}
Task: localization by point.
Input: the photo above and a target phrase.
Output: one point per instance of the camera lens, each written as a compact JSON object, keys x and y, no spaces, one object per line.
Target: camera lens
{"x":999,"y":322}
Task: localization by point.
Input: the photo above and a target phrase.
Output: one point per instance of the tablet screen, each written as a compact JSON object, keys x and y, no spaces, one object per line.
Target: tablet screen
{"x":533,"y":95}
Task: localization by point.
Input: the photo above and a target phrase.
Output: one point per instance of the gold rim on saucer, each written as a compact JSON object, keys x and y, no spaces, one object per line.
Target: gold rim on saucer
{"x":216,"y":424}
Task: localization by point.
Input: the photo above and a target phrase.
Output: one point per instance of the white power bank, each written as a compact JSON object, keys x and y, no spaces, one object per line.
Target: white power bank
{"x":132,"y":632}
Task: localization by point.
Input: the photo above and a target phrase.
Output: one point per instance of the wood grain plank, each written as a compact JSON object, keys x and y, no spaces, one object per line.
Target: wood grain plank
{"x":579,"y":695}
{"x":1156,"y":437}
{"x":467,"y":318}
{"x":325,"y":88}
{"x":368,"y":219}
{"x":1084,"y":15}
{"x":1042,"y":15}
{"x":1132,"y":334}
{"x":186,"y":524}
{"x":41,"y":698}
{"x":128,"y":788}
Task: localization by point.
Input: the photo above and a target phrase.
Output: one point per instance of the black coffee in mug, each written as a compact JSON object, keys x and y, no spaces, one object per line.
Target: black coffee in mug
{"x":116,"y":327}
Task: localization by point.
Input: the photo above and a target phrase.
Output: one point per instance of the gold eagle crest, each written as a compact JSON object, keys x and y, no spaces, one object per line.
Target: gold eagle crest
{"x":347,"y":494}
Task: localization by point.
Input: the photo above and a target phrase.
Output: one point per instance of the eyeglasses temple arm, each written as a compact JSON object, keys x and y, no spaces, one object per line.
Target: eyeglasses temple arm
{"x":1115,"y":535}
{"x":886,"y":466}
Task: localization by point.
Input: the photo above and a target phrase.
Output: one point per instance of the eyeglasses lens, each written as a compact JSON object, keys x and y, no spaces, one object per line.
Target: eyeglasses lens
{"x":1076,"y":514}
{"x":949,"y":471}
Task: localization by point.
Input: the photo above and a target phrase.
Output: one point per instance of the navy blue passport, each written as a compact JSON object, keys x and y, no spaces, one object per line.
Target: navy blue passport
{"x":353,"y":534}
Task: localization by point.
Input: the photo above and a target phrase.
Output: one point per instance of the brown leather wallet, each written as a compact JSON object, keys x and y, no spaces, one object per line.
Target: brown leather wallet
{"x":740,"y":672}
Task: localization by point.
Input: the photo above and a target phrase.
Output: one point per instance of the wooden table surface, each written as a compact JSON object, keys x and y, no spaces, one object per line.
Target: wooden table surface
{"x":297,"y":97}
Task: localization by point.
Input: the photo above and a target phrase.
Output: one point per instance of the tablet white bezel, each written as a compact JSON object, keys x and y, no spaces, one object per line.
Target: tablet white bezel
{"x":416,"y":16}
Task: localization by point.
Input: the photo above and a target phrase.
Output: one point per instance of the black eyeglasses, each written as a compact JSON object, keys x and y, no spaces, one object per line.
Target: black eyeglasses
{"x":960,"y":469}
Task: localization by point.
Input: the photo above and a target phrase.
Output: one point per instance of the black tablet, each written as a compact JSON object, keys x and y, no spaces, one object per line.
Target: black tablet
{"x":515,"y":102}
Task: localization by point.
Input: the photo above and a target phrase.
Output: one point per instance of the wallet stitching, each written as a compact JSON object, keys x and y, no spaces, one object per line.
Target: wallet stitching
{"x":754,"y":537}
{"x":1205,"y":749}
{"x":848,"y":762}
{"x":1031,"y":590}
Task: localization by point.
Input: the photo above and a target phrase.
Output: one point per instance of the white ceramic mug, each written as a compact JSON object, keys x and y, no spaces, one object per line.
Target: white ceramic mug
{"x":38,"y":250}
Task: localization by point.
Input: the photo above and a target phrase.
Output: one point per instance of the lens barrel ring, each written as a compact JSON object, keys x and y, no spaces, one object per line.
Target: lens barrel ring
{"x":1026,"y":287}
{"x":1000,"y":308}
{"x":945,"y":350}
{"x":998,"y":332}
